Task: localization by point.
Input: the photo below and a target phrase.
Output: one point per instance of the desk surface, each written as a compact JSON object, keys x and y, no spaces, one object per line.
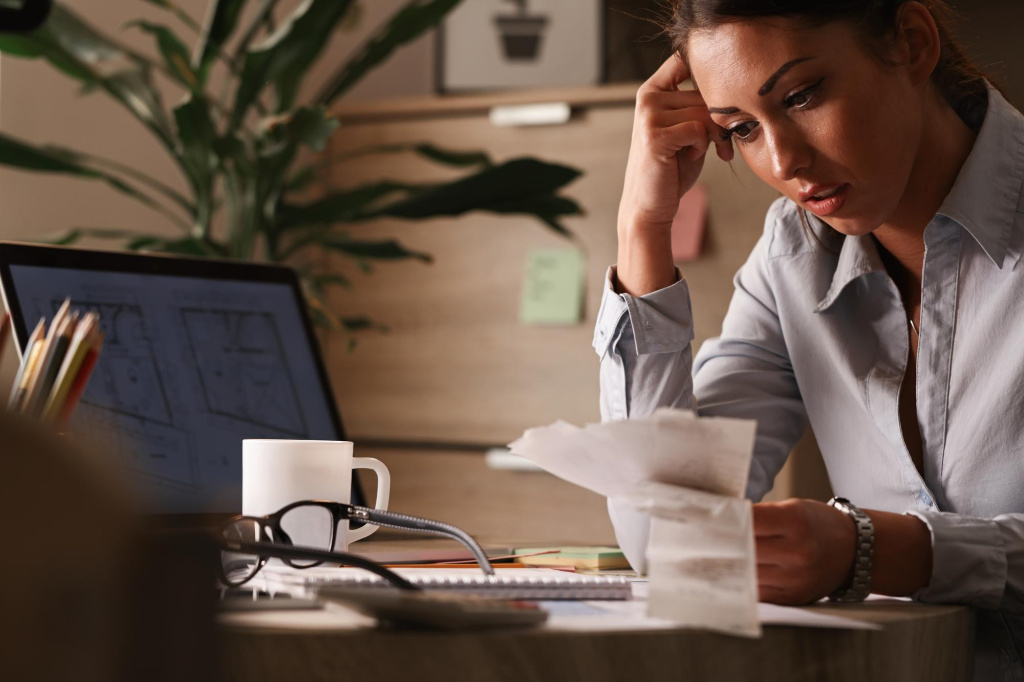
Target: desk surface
{"x":916,"y":642}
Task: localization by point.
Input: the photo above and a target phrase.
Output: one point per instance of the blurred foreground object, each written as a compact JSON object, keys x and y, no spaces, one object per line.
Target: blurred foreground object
{"x":86,"y":593}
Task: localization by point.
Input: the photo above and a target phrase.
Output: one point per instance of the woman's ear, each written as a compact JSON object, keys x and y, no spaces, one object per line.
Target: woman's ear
{"x":917,"y":40}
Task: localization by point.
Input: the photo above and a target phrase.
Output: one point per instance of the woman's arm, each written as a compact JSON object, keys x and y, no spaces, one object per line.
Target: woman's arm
{"x":805,"y":551}
{"x":644,"y":344}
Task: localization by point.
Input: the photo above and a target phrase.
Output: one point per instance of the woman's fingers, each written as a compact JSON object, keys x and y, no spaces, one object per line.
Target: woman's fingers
{"x":671,"y":117}
{"x":669,"y":75}
{"x":656,"y":100}
{"x":673,"y":139}
{"x":666,"y":110}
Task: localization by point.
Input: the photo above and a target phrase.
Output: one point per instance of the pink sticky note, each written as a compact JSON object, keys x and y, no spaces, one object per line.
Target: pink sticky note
{"x":688,"y":226}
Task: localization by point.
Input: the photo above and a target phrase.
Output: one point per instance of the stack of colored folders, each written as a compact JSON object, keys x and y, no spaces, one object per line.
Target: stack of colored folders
{"x":56,"y":366}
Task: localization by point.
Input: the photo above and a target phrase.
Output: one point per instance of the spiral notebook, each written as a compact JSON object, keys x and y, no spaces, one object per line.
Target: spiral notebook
{"x":509,"y":583}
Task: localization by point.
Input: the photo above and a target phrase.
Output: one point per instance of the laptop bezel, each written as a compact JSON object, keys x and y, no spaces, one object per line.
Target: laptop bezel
{"x":49,"y":256}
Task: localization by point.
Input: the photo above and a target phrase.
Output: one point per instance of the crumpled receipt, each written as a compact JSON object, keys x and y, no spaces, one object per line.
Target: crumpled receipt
{"x":689,"y":473}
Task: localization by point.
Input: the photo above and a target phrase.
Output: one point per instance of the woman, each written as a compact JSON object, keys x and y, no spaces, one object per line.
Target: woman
{"x":883,"y":304}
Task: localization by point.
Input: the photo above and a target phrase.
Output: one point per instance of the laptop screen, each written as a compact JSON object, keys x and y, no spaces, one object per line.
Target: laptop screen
{"x":191,"y":365}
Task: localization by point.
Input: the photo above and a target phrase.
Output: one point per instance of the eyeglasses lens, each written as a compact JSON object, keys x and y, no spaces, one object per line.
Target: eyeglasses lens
{"x":309,"y":526}
{"x":240,"y":567}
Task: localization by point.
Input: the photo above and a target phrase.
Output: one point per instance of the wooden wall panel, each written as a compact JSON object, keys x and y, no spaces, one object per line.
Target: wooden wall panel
{"x":499,"y":507}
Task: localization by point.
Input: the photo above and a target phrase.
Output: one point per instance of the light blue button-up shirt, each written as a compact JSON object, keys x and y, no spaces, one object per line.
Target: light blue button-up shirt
{"x":817,"y":332}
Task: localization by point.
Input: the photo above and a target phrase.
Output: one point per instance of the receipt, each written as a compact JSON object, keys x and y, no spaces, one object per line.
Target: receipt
{"x":670,"y":446}
{"x":700,"y":558}
{"x":689,"y":473}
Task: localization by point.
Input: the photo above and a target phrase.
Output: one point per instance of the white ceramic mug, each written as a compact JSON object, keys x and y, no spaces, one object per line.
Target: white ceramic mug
{"x":276,"y":473}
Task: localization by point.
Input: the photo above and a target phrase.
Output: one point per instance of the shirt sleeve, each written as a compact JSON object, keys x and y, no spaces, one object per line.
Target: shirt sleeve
{"x":644,"y":344}
{"x":975,"y":561}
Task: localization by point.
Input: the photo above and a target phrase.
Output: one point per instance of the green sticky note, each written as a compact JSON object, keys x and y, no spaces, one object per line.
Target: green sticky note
{"x":553,"y":287}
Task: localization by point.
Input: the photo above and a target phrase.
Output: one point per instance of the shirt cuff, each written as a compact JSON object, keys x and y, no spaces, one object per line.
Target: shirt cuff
{"x":609,"y":315}
{"x":662,"y":320}
{"x":968,"y":560}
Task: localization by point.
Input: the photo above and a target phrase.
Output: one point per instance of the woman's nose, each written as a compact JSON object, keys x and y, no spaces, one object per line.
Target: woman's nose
{"x":788,"y":151}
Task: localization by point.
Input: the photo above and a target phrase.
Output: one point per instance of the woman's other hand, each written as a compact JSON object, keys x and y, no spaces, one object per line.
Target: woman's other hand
{"x":805,"y":550}
{"x":672,"y":131}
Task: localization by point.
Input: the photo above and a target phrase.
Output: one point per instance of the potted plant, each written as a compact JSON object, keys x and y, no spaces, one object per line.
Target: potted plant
{"x":239,"y":148}
{"x":521,"y":33}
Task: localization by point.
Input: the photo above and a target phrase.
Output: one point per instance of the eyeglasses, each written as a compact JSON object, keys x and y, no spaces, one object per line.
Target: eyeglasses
{"x":303,"y":534}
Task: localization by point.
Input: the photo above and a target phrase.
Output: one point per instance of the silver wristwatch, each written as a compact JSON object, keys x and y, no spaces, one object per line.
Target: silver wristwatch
{"x":860,"y":585}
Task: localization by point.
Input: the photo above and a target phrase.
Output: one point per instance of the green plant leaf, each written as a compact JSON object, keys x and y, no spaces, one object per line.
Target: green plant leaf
{"x":18,"y":45}
{"x":68,"y":43}
{"x":197,"y":136}
{"x":174,"y":8}
{"x":304,"y":177}
{"x":523,"y":186}
{"x":173,"y":51}
{"x":331,"y":280}
{"x":309,"y":126}
{"x":284,"y":57}
{"x":361,"y":324}
{"x":82,"y":52}
{"x":409,"y":23}
{"x":75,"y":234}
{"x":386,"y":249}
{"x":448,"y":157}
{"x":134,"y":89}
{"x":18,"y":154}
{"x":301,"y":179}
{"x":221,"y":20}
{"x":279,"y":142}
{"x":187,"y":246}
{"x":342,"y":206}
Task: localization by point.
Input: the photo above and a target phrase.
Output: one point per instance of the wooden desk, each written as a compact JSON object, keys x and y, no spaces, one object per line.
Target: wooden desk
{"x":918,"y":642}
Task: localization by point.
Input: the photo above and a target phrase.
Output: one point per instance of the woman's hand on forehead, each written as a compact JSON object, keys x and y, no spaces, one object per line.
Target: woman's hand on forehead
{"x":662,"y":90}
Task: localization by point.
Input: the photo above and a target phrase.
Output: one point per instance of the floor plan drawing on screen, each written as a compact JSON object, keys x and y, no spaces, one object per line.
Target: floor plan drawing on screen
{"x":129,"y":384}
{"x":191,"y":367}
{"x":243,"y":368}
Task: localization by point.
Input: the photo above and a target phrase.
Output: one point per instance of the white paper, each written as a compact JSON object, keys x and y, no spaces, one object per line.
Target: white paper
{"x":689,"y":474}
{"x":631,"y":616}
{"x":671,"y":446}
{"x":700,"y":558}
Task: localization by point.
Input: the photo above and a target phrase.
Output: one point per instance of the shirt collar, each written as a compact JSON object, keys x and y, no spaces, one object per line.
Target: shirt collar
{"x":987,"y":191}
{"x":858,"y":256}
{"x":983,"y":199}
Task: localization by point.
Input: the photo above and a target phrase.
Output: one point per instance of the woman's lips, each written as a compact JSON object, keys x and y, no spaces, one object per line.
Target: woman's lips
{"x":826,"y":207}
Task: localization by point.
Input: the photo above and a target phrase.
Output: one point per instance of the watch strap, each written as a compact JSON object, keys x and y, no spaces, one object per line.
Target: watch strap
{"x":860,"y":583}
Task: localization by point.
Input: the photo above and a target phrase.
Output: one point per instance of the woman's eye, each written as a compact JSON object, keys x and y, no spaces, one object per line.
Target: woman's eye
{"x":740,"y":132}
{"x":802,"y":98}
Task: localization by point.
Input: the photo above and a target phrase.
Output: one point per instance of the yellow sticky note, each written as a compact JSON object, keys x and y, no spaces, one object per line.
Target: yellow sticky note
{"x":553,"y":287}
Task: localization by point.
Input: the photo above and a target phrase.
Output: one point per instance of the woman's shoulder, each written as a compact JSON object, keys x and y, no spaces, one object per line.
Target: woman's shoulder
{"x":791,"y":231}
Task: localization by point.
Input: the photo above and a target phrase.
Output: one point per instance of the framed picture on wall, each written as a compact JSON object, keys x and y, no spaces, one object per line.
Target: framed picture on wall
{"x":504,"y":44}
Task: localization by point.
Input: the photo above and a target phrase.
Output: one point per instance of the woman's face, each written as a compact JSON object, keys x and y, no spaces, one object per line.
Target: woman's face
{"x":814,"y":114}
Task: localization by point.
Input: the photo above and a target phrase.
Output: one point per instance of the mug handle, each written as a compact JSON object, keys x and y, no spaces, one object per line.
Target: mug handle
{"x":383,"y":492}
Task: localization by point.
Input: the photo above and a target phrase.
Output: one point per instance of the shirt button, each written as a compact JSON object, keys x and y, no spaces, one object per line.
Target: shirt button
{"x":926,"y":498}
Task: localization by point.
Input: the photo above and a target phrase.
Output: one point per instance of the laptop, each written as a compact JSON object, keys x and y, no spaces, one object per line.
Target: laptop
{"x":198,"y":355}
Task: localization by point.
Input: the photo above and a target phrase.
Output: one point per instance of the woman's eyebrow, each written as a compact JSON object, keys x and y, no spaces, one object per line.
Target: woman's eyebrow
{"x":766,"y":88}
{"x":773,"y":79}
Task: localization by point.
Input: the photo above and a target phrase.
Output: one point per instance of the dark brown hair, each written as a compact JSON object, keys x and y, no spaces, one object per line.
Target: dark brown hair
{"x":960,"y":82}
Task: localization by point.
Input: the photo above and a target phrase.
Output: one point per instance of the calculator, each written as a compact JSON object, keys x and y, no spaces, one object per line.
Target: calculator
{"x":435,"y":610}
